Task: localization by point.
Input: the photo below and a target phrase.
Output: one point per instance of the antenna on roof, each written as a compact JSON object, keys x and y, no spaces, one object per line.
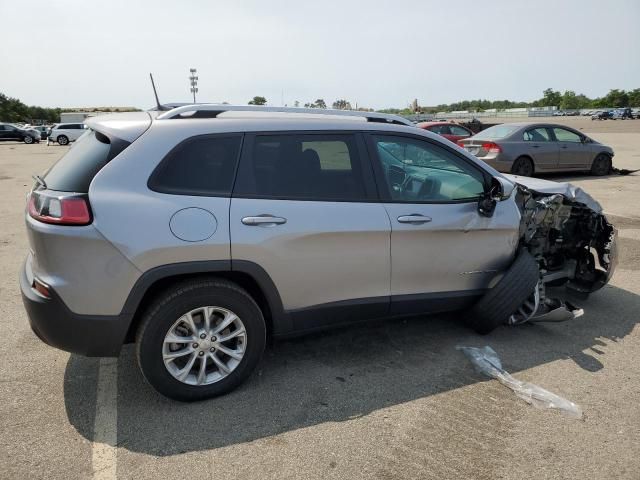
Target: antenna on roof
{"x":155,"y":92}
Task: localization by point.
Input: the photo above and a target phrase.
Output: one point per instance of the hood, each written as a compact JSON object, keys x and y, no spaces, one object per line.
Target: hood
{"x":569,"y":191}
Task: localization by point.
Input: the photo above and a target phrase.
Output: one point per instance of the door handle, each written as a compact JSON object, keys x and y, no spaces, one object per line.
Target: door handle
{"x":563,"y":146}
{"x":414,"y":219}
{"x":263,"y":221}
{"x":535,"y":146}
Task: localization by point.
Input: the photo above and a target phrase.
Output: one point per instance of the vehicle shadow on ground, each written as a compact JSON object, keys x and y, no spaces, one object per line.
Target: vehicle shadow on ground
{"x":341,"y":375}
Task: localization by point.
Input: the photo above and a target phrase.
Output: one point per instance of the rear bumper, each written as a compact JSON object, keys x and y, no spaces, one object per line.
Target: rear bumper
{"x":56,"y":325}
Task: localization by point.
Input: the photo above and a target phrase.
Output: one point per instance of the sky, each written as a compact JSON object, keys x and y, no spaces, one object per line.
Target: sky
{"x":376,"y":53}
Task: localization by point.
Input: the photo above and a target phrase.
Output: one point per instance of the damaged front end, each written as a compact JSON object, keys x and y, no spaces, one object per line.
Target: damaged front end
{"x":572,"y":241}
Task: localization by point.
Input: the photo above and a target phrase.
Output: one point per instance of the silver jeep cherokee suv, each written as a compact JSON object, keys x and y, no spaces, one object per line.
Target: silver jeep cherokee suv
{"x":198,"y":232}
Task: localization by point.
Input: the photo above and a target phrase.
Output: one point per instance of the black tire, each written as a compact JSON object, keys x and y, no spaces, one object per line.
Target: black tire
{"x":62,"y":140}
{"x":28,"y":140}
{"x":523,"y":166}
{"x":175,"y":302}
{"x":495,"y":307}
{"x":601,"y":165}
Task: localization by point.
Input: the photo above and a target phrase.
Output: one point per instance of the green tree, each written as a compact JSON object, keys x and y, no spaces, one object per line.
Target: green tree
{"x":616,"y":98}
{"x":341,"y":105}
{"x":634,"y":97}
{"x":550,"y":98}
{"x":569,"y":101}
{"x":258,"y":101}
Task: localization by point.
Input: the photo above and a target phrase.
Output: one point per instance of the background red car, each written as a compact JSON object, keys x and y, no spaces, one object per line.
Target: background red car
{"x":450,"y":131}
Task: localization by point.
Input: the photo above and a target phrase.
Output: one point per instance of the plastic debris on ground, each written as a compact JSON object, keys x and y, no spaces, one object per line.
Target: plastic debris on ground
{"x":486,"y":361}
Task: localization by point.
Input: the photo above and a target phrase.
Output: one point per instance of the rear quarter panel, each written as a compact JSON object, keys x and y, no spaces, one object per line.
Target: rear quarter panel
{"x":137,"y":220}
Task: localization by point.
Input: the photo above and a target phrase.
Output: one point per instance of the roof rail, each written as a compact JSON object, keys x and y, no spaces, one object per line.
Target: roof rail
{"x":204,"y":110}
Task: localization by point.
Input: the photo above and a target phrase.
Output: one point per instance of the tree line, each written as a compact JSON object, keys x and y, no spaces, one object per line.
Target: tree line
{"x":568,"y":100}
{"x":13,"y":110}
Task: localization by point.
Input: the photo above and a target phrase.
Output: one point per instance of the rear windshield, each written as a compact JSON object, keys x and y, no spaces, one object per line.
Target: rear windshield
{"x":496,"y":132}
{"x":75,"y":170}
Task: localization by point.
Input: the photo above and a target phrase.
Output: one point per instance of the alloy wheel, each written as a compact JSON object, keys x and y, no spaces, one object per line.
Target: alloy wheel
{"x":204,"y":345}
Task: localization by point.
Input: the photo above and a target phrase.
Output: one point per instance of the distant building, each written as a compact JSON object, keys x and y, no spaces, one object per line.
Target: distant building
{"x":80,"y":114}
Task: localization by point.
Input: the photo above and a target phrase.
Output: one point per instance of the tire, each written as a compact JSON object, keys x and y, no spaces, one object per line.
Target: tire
{"x":495,"y":307}
{"x":168,"y":309}
{"x":62,"y":140}
{"x":28,"y":140}
{"x":523,"y":166}
{"x":601,"y":165}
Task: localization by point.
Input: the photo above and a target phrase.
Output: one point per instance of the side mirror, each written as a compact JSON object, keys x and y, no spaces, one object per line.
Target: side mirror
{"x":487,"y":204}
{"x":500,"y":189}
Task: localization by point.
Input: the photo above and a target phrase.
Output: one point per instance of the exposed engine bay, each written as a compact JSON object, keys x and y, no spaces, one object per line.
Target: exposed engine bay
{"x":572,"y":241}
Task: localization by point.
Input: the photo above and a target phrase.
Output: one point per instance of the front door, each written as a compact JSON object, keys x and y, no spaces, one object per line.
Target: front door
{"x":304,"y":209}
{"x":443,"y":253}
{"x":574,"y":153}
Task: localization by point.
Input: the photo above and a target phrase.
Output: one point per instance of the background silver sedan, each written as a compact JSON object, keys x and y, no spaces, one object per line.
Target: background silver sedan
{"x":530,"y":148}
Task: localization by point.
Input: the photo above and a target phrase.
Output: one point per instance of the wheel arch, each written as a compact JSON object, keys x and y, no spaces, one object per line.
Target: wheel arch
{"x":248,"y":275}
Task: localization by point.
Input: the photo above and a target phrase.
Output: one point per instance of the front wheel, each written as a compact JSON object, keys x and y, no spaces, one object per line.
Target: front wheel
{"x":601,"y":165}
{"x":501,"y":301}
{"x":63,"y":140}
{"x":28,"y":140}
{"x":200,"y":339}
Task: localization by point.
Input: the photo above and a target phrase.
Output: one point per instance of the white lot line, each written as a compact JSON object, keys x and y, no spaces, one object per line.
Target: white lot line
{"x":105,"y":428}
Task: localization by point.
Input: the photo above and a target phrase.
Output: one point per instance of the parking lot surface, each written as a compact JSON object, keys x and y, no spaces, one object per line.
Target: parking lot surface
{"x":386,"y":400}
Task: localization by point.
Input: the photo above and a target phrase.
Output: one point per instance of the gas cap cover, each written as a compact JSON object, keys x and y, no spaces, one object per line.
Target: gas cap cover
{"x":193,"y":224}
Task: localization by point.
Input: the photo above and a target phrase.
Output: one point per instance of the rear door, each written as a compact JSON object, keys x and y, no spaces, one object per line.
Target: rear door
{"x":304,"y":208}
{"x":540,"y":146}
{"x":574,"y":154}
{"x":443,"y":252}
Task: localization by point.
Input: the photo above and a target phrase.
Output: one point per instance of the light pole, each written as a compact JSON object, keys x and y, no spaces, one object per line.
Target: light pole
{"x":194,"y":83}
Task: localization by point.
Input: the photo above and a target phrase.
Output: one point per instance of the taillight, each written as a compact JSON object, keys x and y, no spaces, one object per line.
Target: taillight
{"x":69,"y":209}
{"x":491,"y":147}
{"x":460,"y":143}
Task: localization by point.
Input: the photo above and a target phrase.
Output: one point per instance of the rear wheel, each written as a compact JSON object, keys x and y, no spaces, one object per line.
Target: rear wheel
{"x":63,"y":140}
{"x":601,"y":165}
{"x":200,"y":339}
{"x":523,"y":166}
{"x":500,"y":302}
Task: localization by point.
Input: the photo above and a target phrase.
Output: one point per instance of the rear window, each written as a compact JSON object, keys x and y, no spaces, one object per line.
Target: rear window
{"x":203,"y":165}
{"x":496,"y":132}
{"x":74,"y":171}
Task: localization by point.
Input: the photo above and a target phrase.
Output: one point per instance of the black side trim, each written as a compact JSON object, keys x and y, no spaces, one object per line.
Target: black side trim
{"x":433,"y":302}
{"x":336,"y":313}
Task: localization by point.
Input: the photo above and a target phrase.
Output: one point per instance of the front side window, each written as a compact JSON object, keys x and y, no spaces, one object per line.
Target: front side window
{"x":563,"y":135}
{"x":536,"y":135}
{"x":203,"y":165}
{"x":301,"y":167}
{"x":418,"y":171}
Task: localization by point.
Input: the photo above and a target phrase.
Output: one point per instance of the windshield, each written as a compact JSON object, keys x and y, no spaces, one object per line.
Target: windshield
{"x":496,"y":132}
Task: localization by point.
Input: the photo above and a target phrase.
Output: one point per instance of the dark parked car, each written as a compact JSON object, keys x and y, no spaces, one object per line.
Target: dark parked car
{"x":529,"y":148}
{"x":603,"y":115}
{"x":448,"y":130}
{"x":11,"y":132}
